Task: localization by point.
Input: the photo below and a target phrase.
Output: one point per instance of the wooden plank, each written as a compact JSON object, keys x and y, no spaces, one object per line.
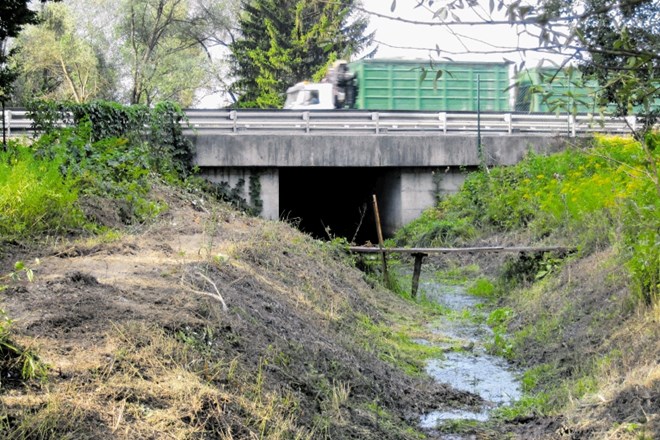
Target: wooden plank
{"x":375,"y":250}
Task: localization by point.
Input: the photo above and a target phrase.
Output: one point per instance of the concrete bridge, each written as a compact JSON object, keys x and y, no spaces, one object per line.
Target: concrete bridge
{"x":321,"y":169}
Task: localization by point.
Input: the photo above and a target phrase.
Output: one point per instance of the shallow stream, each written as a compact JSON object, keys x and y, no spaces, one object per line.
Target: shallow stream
{"x":469,"y":368}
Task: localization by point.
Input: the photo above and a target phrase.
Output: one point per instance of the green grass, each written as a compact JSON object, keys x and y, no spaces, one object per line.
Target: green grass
{"x":396,"y":347}
{"x":592,"y":198}
{"x":34,"y":196}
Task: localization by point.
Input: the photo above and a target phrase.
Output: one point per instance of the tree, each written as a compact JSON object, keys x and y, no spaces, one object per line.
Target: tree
{"x":618,"y":45}
{"x":14,"y":16}
{"x":57,"y":63}
{"x":284,"y":42}
{"x":165,"y":45}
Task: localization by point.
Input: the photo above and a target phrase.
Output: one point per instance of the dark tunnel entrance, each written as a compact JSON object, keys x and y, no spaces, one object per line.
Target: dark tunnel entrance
{"x":332,"y":202}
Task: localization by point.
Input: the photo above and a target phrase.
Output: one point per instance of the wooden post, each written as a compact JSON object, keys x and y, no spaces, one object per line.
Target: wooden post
{"x":416,"y":273}
{"x":381,"y":243}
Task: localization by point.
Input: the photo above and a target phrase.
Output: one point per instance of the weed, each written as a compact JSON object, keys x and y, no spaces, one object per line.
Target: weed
{"x":396,"y":347}
{"x":482,"y":287}
{"x":591,"y":198}
{"x":20,"y":269}
{"x":15,"y":358}
{"x":34,"y":197}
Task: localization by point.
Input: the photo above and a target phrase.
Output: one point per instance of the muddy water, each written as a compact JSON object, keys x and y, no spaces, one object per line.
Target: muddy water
{"x":466,"y":365}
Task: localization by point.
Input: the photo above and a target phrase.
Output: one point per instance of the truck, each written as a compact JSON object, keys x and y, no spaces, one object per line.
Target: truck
{"x":337,"y":90}
{"x":393,"y":84}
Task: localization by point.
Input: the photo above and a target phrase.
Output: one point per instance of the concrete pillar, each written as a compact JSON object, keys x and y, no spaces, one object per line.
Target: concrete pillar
{"x":239,"y":179}
{"x":422,"y":187}
{"x":389,"y":200}
{"x":404,"y":193}
{"x":418,"y":192}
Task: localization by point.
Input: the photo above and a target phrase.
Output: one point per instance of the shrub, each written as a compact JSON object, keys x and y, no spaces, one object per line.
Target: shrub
{"x":591,"y":197}
{"x":34,"y":196}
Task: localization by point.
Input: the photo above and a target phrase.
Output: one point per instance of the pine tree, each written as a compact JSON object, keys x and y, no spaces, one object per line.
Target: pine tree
{"x":283,"y":42}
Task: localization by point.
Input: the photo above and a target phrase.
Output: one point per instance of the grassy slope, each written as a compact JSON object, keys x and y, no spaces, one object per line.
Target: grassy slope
{"x":585,"y":327}
{"x":139,"y":346}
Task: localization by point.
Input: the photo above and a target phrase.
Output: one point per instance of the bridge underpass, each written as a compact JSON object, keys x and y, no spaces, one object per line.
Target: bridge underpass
{"x":335,"y":203}
{"x":319,"y":169}
{"x":283,"y":161}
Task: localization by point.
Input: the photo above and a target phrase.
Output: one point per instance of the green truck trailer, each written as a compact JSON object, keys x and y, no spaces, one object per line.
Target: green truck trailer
{"x":408,"y":85}
{"x":420,"y":85}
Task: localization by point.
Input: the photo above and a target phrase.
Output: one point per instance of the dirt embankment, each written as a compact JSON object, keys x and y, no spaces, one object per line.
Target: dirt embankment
{"x":600,"y":343}
{"x":207,"y":324}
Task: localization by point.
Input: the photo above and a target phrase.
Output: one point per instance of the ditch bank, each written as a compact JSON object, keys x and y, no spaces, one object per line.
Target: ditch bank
{"x":207,"y":324}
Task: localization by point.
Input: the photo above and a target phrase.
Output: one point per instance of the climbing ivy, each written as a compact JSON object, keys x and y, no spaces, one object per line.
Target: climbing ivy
{"x":256,"y":203}
{"x":159,"y":128}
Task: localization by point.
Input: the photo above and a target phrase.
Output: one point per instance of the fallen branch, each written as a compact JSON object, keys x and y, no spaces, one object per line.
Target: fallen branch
{"x":215,"y":295}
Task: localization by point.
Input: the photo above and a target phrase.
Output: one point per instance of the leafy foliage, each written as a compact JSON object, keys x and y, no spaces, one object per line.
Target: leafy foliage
{"x":594,"y":197}
{"x":104,"y":152}
{"x":58,"y":63}
{"x":622,"y":41}
{"x":34,"y":197}
{"x":283,"y":43}
{"x":14,"y":16}
{"x":157,"y":133}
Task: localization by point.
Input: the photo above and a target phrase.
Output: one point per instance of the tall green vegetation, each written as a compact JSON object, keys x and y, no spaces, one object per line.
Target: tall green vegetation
{"x":604,"y":195}
{"x":35,"y":197}
{"x":284,"y":42}
{"x":108,"y":154}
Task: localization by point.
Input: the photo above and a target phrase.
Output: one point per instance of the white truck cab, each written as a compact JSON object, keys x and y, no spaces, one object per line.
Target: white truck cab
{"x":310,"y":96}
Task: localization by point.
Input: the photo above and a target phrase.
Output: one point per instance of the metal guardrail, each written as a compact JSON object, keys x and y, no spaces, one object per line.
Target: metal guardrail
{"x":17,"y":123}
{"x":383,"y":123}
{"x":371,"y":122}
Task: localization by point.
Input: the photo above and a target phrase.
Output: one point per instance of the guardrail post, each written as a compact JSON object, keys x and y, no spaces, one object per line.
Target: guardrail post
{"x":233,"y":117}
{"x":509,"y":122}
{"x":632,"y":122}
{"x":442,"y":117}
{"x":572,"y":125}
{"x":6,"y":125}
{"x":376,"y":117}
{"x":305,"y":117}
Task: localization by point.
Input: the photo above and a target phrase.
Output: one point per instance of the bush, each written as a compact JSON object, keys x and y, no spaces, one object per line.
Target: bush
{"x":34,"y":196}
{"x":590,"y":197}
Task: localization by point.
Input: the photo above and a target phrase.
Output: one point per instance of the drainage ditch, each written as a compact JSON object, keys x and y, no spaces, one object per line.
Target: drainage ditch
{"x":466,"y":364}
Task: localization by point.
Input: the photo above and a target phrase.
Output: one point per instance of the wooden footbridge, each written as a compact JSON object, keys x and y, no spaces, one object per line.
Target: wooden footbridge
{"x":420,"y":253}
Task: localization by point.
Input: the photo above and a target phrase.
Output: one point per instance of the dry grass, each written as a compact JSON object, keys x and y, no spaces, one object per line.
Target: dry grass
{"x":152,"y":385}
{"x":588,"y":326}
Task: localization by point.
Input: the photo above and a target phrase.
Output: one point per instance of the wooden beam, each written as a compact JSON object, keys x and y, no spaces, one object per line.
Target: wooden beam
{"x":381,"y":242}
{"x":376,"y":250}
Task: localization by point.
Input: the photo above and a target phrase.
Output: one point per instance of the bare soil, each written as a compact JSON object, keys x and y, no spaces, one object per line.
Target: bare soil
{"x":139,"y":344}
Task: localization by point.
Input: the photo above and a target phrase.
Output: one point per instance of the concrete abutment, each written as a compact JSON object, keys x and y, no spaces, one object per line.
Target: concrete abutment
{"x":322,"y":182}
{"x":337,"y":201}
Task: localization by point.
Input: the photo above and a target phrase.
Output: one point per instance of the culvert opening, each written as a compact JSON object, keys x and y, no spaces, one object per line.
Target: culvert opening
{"x":332,"y":202}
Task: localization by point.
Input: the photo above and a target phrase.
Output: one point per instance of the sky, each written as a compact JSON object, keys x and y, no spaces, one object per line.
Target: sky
{"x":396,"y":39}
